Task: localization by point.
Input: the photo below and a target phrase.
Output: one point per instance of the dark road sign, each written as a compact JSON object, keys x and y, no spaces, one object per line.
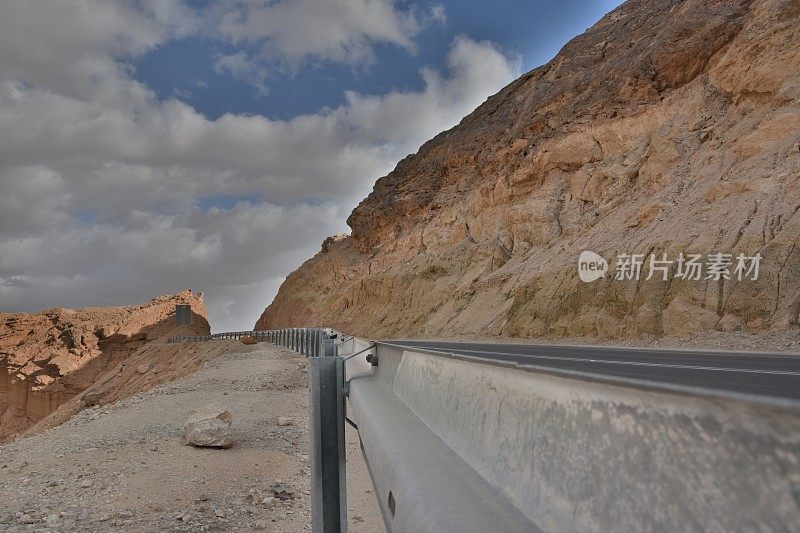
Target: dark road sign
{"x":183,"y":315}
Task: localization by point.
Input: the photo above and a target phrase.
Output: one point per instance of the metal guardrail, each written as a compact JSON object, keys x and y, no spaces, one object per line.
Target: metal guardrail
{"x":466,"y":444}
{"x":570,"y":451}
{"x":311,"y":342}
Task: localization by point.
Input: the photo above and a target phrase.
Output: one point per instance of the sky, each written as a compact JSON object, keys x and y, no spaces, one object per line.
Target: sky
{"x":147,"y":146}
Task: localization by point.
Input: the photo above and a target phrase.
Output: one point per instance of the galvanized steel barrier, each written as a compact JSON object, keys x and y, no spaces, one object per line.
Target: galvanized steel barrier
{"x":467,"y":444}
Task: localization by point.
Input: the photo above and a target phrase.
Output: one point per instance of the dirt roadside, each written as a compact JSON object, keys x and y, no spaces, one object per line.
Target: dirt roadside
{"x":123,"y":466}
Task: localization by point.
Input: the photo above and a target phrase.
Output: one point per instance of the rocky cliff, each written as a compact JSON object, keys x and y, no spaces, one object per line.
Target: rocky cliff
{"x":48,"y":358}
{"x":668,"y":127}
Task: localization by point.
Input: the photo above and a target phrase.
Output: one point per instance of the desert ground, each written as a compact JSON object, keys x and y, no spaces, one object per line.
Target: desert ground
{"x":123,"y":466}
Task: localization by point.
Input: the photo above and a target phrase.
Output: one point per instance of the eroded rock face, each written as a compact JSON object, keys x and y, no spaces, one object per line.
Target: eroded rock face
{"x":668,"y":127}
{"x":49,"y":357}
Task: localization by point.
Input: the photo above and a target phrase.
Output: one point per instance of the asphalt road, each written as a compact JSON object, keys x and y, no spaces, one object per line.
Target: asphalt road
{"x":774,"y":375}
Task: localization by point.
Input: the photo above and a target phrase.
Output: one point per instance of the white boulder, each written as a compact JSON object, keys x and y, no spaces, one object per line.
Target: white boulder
{"x":210,"y":427}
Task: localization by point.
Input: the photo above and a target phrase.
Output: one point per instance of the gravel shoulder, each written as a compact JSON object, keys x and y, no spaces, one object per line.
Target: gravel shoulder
{"x":123,"y":466}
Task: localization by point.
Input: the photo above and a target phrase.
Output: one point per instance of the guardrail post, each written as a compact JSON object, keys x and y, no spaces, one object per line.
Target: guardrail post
{"x":331,"y":349}
{"x":328,"y":473}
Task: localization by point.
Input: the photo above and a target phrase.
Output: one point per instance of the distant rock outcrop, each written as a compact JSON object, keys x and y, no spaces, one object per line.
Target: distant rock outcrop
{"x":668,"y":127}
{"x":49,"y":357}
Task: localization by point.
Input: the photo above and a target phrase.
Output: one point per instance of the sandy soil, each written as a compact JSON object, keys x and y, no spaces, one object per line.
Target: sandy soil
{"x":123,"y":467}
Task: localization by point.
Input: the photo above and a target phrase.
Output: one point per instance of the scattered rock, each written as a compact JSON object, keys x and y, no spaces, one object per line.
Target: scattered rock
{"x":210,"y":427}
{"x":285,"y":421}
{"x":92,"y":398}
{"x":144,"y":368}
{"x":282,"y":492}
{"x":27,"y":519}
{"x":137,"y":337}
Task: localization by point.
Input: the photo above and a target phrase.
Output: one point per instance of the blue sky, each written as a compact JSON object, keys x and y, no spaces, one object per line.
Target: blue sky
{"x":149,"y":146}
{"x":534,"y":31}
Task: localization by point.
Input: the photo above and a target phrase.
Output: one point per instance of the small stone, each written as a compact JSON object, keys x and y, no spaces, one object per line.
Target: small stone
{"x":86,"y":483}
{"x":144,"y":368}
{"x":27,"y":519}
{"x":285,"y":421}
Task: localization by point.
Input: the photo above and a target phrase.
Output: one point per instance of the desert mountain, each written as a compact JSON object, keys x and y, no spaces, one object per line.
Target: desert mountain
{"x":668,"y":127}
{"x":50,"y":357}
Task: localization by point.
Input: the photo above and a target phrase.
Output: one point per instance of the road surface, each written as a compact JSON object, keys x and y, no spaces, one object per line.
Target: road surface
{"x":773,"y":375}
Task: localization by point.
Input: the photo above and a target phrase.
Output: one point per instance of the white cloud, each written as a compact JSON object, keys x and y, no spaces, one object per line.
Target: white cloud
{"x":168,"y":145}
{"x":243,"y":68}
{"x":101,"y":180}
{"x":70,"y":46}
{"x":334,"y":30}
